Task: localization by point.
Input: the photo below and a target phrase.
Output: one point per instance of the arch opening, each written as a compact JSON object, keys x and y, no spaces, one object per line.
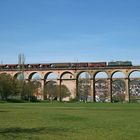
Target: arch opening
{"x":118,"y":74}
{"x":34,"y":76}
{"x":84,"y":87}
{"x":51,"y":76}
{"x":101,"y":75}
{"x":51,"y":90}
{"x":101,"y":87}
{"x":19,"y":76}
{"x":118,"y":91}
{"x":67,"y":86}
{"x":134,"y":86}
{"x":102,"y":91}
{"x":35,"y":80}
{"x":134,"y":74}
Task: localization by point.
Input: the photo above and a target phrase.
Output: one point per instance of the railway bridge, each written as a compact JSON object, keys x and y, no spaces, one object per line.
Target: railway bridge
{"x":71,"y":77}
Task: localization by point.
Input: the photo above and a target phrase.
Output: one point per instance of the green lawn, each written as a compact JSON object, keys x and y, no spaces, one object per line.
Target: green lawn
{"x":69,"y":121}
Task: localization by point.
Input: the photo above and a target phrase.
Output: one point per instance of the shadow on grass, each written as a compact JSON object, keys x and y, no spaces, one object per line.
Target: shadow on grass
{"x":3,"y":111}
{"x":17,"y":131}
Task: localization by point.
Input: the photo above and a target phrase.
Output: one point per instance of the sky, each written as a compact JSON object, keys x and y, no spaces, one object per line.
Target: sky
{"x":48,"y":31}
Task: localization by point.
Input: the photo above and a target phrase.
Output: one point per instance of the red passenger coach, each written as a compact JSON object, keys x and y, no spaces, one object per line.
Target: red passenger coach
{"x":97,"y":64}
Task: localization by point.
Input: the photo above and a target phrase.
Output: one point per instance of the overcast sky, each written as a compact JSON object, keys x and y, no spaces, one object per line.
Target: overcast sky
{"x":69,"y":30}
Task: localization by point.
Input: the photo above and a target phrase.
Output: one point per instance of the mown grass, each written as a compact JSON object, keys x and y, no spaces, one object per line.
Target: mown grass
{"x":69,"y":121}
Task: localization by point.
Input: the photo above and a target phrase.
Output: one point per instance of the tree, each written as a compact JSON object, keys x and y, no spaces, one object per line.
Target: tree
{"x":64,"y":91}
{"x":28,"y":90}
{"x":8,"y":86}
{"x":21,"y":62}
{"x":51,"y":91}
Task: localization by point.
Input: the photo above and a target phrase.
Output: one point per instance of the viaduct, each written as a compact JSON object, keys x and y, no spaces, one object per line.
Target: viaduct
{"x":70,"y":77}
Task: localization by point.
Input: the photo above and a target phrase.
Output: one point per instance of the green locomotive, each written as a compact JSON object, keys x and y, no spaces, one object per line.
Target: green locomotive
{"x":119,"y":63}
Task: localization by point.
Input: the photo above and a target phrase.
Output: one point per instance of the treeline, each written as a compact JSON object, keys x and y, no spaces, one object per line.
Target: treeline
{"x":11,"y":88}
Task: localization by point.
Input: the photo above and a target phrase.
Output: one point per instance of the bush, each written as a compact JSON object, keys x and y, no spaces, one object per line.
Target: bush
{"x":15,"y":101}
{"x":30,"y":99}
{"x":74,"y":99}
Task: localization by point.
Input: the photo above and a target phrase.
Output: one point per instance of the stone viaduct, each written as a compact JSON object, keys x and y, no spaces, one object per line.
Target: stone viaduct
{"x":70,"y":77}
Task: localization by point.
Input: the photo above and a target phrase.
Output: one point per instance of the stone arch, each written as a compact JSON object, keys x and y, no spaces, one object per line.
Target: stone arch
{"x":134,"y":85}
{"x":36,"y":77}
{"x":69,"y":75}
{"x":51,"y":83}
{"x":134,"y":71}
{"x":120,"y":72}
{"x":36,"y":74}
{"x":4,"y":73}
{"x":101,"y":74}
{"x":19,"y":76}
{"x":7,"y":73}
{"x":79,"y":73}
{"x":118,"y":90}
{"x":120,"y":86}
{"x":50,"y":76}
{"x":83,"y":74}
{"x":51,"y":90}
{"x":68,"y":82}
{"x":101,"y":87}
{"x":84,"y":85}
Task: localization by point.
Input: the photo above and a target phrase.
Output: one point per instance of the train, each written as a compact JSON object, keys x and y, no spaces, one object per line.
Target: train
{"x":92,"y":64}
{"x":75,"y":65}
{"x":119,"y":63}
{"x":78,"y":65}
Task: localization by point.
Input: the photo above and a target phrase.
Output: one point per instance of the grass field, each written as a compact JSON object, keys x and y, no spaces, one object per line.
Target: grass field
{"x":69,"y":121}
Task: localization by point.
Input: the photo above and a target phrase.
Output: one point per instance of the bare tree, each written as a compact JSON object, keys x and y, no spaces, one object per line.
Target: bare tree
{"x":21,"y":63}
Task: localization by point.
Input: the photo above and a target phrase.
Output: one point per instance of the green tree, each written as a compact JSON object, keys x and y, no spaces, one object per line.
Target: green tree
{"x":28,"y":90}
{"x":51,"y":90}
{"x":8,"y":86}
{"x":64,"y":91}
